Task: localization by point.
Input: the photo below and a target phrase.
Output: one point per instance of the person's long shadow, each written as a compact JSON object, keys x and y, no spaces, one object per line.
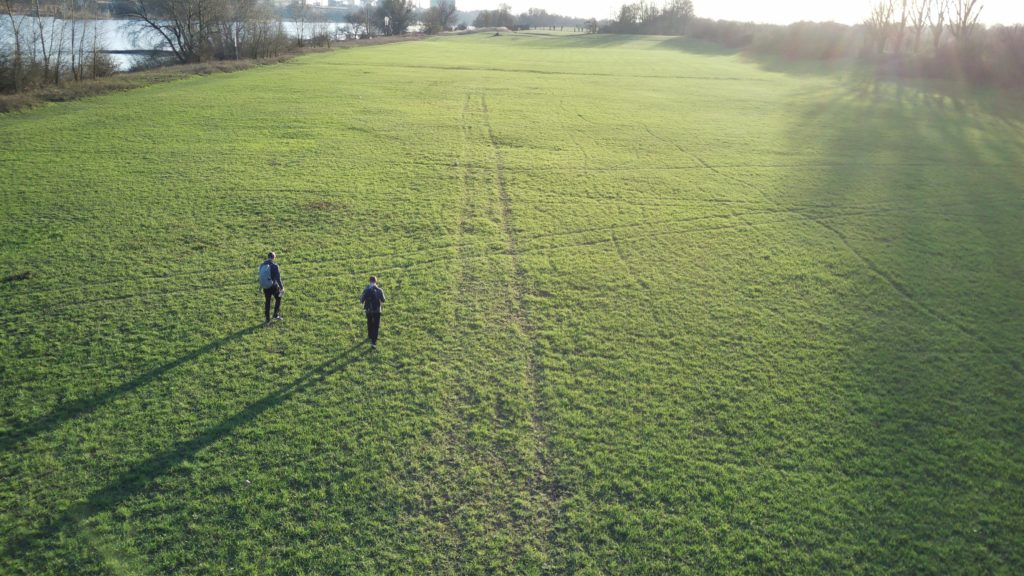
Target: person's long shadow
{"x":83,"y":406}
{"x":135,"y":479}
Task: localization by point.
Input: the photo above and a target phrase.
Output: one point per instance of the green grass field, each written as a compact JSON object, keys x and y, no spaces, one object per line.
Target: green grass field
{"x":652,"y":310}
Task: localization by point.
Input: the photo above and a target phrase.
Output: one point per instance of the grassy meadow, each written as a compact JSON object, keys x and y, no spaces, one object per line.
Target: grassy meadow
{"x":651,"y":309}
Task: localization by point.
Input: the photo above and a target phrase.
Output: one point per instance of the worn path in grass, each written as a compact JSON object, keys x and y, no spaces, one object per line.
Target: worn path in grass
{"x":651,"y":309}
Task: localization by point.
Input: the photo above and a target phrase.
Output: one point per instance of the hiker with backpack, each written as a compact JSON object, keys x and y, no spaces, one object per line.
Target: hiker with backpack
{"x":270,"y":282}
{"x":371,"y":300}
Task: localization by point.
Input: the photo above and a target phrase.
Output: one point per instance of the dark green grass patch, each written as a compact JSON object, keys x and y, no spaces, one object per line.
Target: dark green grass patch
{"x":649,"y":311}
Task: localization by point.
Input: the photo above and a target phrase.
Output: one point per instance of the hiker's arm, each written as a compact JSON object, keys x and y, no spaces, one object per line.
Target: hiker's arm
{"x":382,"y":298}
{"x":362,"y":297}
{"x":275,"y":275}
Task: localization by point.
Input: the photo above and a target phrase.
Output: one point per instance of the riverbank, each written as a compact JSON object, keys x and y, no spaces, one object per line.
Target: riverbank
{"x":131,"y":80}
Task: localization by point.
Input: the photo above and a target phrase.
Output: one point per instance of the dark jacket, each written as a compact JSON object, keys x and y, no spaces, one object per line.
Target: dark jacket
{"x":275,"y":274}
{"x":369,"y":302}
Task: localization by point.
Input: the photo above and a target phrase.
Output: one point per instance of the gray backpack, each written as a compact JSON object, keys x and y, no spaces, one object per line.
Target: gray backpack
{"x":266,"y":279}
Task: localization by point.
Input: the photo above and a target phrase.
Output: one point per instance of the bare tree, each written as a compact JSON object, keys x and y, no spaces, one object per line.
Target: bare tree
{"x":17,"y":35}
{"x":59,"y":42}
{"x":900,"y":25}
{"x":300,"y":13}
{"x":320,"y":31}
{"x":920,"y":12}
{"x":394,"y":16}
{"x":628,"y":18}
{"x":188,"y":28}
{"x":879,"y":23}
{"x":237,"y":13}
{"x":963,"y":16}
{"x":446,"y":13}
{"x":649,"y":12}
{"x":937,"y":21}
{"x":248,"y":29}
{"x":440,"y":15}
{"x":69,"y":43}
{"x":679,"y":13}
{"x":42,"y":37}
{"x":72,"y":19}
{"x":367,"y":4}
{"x":495,"y":18}
{"x":263,"y":33}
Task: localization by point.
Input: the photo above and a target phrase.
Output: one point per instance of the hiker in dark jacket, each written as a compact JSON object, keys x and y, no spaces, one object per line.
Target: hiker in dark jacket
{"x":371,"y":300}
{"x":270,"y":282}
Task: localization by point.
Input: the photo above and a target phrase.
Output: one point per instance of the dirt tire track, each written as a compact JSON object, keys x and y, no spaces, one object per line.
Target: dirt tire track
{"x":916,"y":303}
{"x":544,"y":484}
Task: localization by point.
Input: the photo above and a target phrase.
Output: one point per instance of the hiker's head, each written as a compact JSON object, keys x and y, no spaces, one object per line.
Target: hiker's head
{"x":271,"y":256}
{"x":373,"y":279}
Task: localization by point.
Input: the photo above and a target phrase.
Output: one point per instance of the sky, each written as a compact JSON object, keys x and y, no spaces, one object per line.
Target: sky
{"x":771,"y":11}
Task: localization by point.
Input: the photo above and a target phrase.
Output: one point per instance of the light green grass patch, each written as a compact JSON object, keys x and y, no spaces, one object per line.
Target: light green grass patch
{"x":649,"y":311}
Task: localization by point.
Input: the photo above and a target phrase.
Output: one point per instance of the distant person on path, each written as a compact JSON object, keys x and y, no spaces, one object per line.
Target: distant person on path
{"x":371,"y":300}
{"x":270,"y":282}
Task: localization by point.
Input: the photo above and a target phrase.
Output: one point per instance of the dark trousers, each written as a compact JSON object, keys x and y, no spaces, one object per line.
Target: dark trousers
{"x":372,"y":325}
{"x":274,"y":292}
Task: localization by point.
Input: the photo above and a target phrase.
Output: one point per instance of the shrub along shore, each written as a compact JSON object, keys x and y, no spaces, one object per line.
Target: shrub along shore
{"x":137,"y":79}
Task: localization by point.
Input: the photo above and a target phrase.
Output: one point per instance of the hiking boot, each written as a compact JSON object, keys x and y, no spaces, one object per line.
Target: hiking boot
{"x":278,"y":317}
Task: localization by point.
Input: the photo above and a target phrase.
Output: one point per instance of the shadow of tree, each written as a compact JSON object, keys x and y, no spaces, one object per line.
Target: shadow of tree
{"x":696,"y":46}
{"x":583,"y":41}
{"x":134,"y":480}
{"x":893,"y":75}
{"x":933,"y":360}
{"x":84,"y":406}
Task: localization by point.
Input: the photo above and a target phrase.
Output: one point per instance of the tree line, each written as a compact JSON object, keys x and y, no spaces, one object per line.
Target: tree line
{"x":199,"y":30}
{"x":390,"y":17}
{"x":385,"y":17}
{"x":502,"y":17}
{"x":57,"y":41}
{"x":648,"y":18}
{"x":940,"y":39}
